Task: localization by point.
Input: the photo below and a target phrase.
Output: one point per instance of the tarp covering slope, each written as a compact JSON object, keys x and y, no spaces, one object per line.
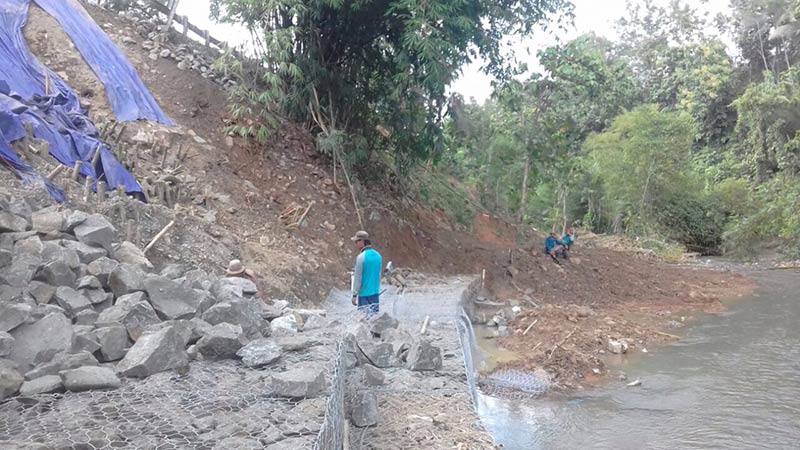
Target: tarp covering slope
{"x":32,"y":94}
{"x":126,"y":92}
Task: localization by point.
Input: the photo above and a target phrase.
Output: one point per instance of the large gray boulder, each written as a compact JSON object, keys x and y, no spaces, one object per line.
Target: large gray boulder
{"x":60,"y":362}
{"x":221,"y":341}
{"x":365,"y":410}
{"x":84,"y":339}
{"x":113,"y":342}
{"x":41,"y":339}
{"x":48,"y":384}
{"x":14,"y":315}
{"x":88,"y":282}
{"x":71,"y":300}
{"x":102,"y":268}
{"x":48,"y":221}
{"x":379,"y":354}
{"x":240,"y":285}
{"x":172,"y":300}
{"x":245,"y":313}
{"x":258,"y":353}
{"x":96,"y":231}
{"x":197,"y":279}
{"x":12,"y":223}
{"x":89,"y":377}
{"x":6,"y":256}
{"x":6,"y":344}
{"x":373,"y":376}
{"x":51,"y":251}
{"x":300,"y":382}
{"x":133,"y":312}
{"x":56,"y":273}
{"x":29,"y":246}
{"x":129,"y":253}
{"x":73,"y":219}
{"x":424,"y":356}
{"x":41,"y":292}
{"x":153,"y":353}
{"x":21,"y":271}
{"x":86,"y":253}
{"x":125,"y":279}
{"x":382,"y":323}
{"x":10,"y":382}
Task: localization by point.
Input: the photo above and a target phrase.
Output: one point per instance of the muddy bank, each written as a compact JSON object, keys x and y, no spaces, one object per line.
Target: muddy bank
{"x":601,"y":304}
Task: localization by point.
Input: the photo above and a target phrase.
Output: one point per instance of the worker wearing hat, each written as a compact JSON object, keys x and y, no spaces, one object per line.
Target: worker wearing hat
{"x":367,"y":275}
{"x":237,"y":269}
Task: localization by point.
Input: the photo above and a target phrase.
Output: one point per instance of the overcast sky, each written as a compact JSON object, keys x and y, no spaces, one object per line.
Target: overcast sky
{"x":590,"y":15}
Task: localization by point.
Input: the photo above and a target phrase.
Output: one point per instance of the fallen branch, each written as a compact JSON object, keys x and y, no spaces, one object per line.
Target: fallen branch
{"x":562,"y":342}
{"x":529,"y":327}
{"x":159,"y":236}
{"x":667,"y":335}
{"x":303,"y":217}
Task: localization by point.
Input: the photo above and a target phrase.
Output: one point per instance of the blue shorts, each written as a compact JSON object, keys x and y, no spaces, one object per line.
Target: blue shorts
{"x":369,"y":304}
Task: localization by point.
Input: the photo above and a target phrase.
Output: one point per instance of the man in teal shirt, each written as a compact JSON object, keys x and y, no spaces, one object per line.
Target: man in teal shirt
{"x":366,"y":275}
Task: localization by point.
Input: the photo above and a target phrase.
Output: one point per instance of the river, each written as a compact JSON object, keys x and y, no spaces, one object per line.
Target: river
{"x":731,"y":382}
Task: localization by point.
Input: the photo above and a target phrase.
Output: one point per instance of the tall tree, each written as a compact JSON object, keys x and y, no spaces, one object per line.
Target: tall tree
{"x":387,"y":63}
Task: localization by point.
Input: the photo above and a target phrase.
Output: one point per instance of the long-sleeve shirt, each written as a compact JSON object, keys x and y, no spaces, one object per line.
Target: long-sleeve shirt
{"x":550,"y":243}
{"x":367,"y":273}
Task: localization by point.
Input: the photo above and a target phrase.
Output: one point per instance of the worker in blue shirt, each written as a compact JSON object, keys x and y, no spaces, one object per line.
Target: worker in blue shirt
{"x":554,"y":247}
{"x":366,"y":275}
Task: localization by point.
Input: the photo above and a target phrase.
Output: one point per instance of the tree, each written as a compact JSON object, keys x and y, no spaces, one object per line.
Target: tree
{"x":384,"y":63}
{"x":768,"y":125}
{"x":642,"y":161}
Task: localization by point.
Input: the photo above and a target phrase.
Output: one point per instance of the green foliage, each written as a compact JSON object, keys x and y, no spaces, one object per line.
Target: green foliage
{"x":768,"y":124}
{"x":643,"y":163}
{"x":773,"y":220}
{"x":377,"y":63}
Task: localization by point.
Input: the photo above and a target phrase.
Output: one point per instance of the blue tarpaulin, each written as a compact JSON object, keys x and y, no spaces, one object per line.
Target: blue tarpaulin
{"x":32,"y":94}
{"x":126,"y":92}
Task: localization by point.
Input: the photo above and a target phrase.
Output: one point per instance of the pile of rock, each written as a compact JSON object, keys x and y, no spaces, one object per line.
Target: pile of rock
{"x":382,"y":344}
{"x":78,"y":310}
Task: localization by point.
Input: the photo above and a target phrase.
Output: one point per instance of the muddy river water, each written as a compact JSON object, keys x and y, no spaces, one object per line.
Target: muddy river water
{"x":731,"y":382}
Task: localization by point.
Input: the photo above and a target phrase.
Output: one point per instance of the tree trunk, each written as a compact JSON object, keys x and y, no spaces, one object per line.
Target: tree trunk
{"x":564,"y":192}
{"x":524,"y":198}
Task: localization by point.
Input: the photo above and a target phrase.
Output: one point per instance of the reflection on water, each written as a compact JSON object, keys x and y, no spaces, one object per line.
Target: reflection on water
{"x":732,"y":382}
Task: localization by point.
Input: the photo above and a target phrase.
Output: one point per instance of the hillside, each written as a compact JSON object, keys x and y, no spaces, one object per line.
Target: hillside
{"x":235,"y":196}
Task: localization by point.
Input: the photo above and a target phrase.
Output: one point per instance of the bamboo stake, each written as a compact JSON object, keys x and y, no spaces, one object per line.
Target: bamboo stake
{"x":425,"y":325}
{"x":76,"y":170}
{"x":130,"y":232}
{"x":159,"y":236}
{"x":87,"y":188}
{"x":101,"y":191}
{"x":52,"y":175}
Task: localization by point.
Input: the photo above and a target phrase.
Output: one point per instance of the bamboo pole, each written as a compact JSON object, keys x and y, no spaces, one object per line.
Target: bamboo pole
{"x":52,"y":175}
{"x":159,"y":236}
{"x":101,"y":191}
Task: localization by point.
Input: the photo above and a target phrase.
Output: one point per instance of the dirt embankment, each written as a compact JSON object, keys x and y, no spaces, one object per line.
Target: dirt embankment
{"x":569,"y":318}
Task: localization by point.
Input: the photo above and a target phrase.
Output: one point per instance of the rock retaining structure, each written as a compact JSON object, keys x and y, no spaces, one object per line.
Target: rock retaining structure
{"x":100,"y":348}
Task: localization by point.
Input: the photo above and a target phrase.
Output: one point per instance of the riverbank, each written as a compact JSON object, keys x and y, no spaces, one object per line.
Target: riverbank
{"x":599,"y":305}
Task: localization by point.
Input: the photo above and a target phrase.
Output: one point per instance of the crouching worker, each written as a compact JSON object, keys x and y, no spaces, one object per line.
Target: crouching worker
{"x":554,"y":247}
{"x":568,"y":239}
{"x":366,"y":275}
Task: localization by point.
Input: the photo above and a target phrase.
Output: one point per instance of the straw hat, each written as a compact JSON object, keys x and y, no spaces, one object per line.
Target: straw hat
{"x":360,"y":236}
{"x":235,"y":267}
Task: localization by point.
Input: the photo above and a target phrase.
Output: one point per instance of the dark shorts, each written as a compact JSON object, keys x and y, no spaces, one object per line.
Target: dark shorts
{"x":369,"y":304}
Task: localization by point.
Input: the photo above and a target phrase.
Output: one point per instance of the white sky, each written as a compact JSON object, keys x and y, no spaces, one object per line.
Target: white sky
{"x":590,"y":15}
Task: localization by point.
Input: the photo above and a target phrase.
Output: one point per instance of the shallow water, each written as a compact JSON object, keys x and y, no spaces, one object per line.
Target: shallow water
{"x":732,"y":382}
